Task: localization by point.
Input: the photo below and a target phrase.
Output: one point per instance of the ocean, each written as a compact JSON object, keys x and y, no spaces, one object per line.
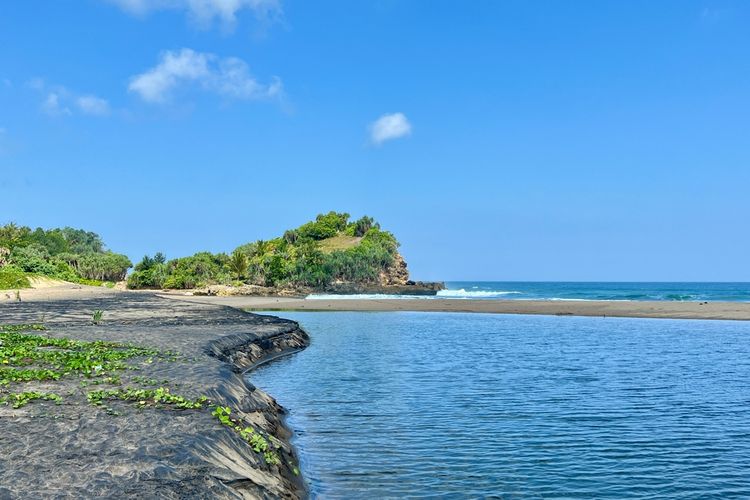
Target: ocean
{"x":455,"y":405}
{"x":558,"y":290}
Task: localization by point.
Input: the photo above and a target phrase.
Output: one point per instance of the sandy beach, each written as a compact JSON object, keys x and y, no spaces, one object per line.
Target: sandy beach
{"x":628,"y":309}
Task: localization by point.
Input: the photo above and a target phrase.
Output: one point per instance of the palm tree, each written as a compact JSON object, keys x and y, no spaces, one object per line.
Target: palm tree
{"x":238,"y":263}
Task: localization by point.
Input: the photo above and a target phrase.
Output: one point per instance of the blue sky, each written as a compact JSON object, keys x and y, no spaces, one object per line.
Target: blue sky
{"x":508,"y":140}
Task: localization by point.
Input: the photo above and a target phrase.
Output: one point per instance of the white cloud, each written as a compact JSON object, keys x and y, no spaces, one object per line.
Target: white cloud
{"x":229,"y":77}
{"x":59,"y":101}
{"x":204,"y":12}
{"x":155,"y":84}
{"x":92,"y":105}
{"x":389,"y":127}
{"x":52,"y":105}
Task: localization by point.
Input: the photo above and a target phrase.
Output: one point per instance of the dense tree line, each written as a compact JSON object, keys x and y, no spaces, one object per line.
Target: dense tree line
{"x":63,"y":253}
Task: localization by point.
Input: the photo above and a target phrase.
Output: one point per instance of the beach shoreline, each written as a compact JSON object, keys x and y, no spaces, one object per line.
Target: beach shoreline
{"x":739,"y":311}
{"x":706,"y":310}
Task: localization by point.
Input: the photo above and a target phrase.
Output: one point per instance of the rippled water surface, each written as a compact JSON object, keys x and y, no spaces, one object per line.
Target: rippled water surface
{"x":469,"y":405}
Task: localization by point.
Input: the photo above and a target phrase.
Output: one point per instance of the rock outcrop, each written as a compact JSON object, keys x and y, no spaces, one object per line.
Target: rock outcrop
{"x":396,"y":274}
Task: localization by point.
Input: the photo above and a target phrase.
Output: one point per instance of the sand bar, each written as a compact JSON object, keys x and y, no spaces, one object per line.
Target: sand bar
{"x":629,"y":309}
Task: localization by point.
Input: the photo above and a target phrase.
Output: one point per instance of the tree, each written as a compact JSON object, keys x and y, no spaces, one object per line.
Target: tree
{"x":361,"y":226}
{"x":238,"y":263}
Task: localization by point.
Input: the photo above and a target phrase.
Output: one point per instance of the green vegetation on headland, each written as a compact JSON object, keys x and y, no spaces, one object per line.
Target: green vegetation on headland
{"x":327,"y":250}
{"x":66,"y":254}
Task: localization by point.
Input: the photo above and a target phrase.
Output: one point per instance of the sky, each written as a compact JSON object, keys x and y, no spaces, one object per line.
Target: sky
{"x":498,"y":140}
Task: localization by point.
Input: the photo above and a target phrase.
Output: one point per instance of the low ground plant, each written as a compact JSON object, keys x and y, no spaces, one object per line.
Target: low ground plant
{"x":26,"y":357}
{"x":254,"y":438}
{"x":160,"y":397}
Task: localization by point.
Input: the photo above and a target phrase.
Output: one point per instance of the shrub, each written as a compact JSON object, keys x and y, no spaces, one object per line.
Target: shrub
{"x":33,"y":258}
{"x":12,"y":277}
{"x":106,"y":266}
{"x":200,"y":269}
{"x":324,"y":226}
{"x":151,"y":272}
{"x":360,"y":227}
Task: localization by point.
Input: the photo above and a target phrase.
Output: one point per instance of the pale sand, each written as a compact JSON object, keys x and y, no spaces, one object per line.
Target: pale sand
{"x":45,"y":290}
{"x":632,"y":309}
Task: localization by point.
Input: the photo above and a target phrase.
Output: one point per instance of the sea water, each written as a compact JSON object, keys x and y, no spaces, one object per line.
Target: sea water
{"x":452,"y":405}
{"x":558,"y":290}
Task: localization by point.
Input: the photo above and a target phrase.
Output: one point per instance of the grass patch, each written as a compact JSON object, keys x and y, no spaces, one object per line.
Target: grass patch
{"x":97,"y":316}
{"x":339,"y":242}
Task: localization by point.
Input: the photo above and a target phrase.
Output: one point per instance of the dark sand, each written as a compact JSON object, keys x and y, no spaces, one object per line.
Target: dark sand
{"x":631,"y":309}
{"x":75,"y":450}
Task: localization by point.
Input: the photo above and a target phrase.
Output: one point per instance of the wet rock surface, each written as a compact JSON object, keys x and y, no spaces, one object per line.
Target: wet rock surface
{"x":76,"y":450}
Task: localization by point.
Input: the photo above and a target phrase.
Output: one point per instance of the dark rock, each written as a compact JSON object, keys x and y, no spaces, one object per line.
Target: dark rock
{"x":416,"y":288}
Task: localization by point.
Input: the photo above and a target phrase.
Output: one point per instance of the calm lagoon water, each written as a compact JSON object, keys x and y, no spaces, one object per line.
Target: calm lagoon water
{"x":471,"y":405}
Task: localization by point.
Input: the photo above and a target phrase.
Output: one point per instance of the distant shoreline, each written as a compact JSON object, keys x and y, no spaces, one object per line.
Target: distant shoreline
{"x":602,"y":308}
{"x":622,"y":308}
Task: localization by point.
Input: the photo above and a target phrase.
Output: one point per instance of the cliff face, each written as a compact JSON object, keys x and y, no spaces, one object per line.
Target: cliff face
{"x":396,"y":274}
{"x":392,"y":280}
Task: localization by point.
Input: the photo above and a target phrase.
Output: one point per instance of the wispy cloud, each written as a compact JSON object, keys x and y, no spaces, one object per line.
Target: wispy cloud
{"x":52,"y":105}
{"x":389,"y":127}
{"x":92,"y":105}
{"x":228,"y":77}
{"x":205,"y":12}
{"x":59,"y":101}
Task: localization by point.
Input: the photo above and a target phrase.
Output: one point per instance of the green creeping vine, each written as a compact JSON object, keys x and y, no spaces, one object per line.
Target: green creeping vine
{"x":23,"y":398}
{"x":250,"y":435}
{"x":111,"y":380}
{"x":159,"y":398}
{"x":147,"y":381}
{"x":26,"y":357}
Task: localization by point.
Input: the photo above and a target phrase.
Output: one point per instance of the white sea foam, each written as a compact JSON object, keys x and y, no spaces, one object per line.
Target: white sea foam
{"x":483,"y":294}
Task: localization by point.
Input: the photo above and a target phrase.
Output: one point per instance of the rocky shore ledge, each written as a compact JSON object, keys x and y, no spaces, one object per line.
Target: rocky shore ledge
{"x":71,"y":448}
